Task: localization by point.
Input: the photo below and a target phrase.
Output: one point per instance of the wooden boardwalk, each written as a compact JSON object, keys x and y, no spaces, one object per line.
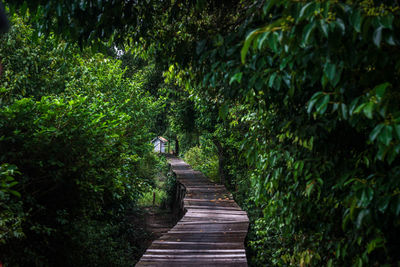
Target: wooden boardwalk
{"x":212,"y":231}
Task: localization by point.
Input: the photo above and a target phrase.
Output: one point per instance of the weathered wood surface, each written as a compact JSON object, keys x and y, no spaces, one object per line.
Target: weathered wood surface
{"x":212,"y":231}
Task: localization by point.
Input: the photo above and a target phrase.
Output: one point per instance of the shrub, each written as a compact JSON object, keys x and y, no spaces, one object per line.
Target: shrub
{"x":80,"y":140}
{"x":203,"y":160}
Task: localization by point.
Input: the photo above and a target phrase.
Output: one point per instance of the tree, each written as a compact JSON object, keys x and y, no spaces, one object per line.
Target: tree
{"x":74,"y":154}
{"x":307,"y":92}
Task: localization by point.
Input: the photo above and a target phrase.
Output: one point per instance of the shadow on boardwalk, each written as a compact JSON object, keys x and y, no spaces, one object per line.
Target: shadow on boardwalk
{"x":212,"y":231}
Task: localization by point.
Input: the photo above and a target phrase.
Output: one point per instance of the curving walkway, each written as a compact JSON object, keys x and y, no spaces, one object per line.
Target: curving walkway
{"x":212,"y":231}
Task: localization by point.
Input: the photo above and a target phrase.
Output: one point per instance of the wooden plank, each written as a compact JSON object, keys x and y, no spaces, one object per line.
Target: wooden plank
{"x":194,"y":250}
{"x":211,"y":207}
{"x":188,"y":263}
{"x":210,"y":200}
{"x":202,"y":263}
{"x":159,"y":241}
{"x":244,"y":223}
{"x":220,"y":214}
{"x":210,"y":227}
{"x":193,"y":256}
{"x":216,"y":215}
{"x":212,"y":231}
{"x":202,"y":260}
{"x":195,"y":245}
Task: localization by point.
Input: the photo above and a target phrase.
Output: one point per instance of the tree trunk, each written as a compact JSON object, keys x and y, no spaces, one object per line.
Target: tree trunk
{"x":221,"y":161}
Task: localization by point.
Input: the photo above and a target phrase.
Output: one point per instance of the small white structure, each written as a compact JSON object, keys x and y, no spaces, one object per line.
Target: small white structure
{"x":159,"y":144}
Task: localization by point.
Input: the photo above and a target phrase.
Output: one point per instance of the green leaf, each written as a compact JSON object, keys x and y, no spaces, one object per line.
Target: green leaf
{"x":247,"y":44}
{"x":381,"y":88}
{"x":376,"y":243}
{"x":397,"y":207}
{"x":12,"y":184}
{"x":324,"y":27}
{"x":340,"y":24}
{"x":308,"y":29}
{"x":366,"y":197}
{"x":397,"y":129}
{"x":330,"y":70}
{"x":361,"y":216}
{"x":306,"y":11}
{"x":271,"y":81}
{"x":273,"y":41}
{"x":262,"y":39}
{"x":313,"y":100}
{"x":309,"y":187}
{"x":377,"y":36}
{"x":385,"y":135}
{"x":344,"y":111}
{"x":386,"y":21}
{"x":237,"y":77}
{"x":324,"y":81}
{"x":383,"y":203}
{"x":267,"y":6}
{"x":337,"y":77}
{"x":322,"y":105}
{"x":82,"y":4}
{"x":360,"y":107}
{"x":355,"y":20}
{"x":375,"y":132}
{"x":390,"y":39}
{"x":15,"y":193}
{"x":368,"y":108}
{"x":255,"y":33}
{"x":382,"y":151}
{"x":332,"y":73}
{"x":353,"y":106}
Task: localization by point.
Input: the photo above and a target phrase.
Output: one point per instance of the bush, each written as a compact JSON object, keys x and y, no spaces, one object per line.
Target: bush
{"x":11,"y":210}
{"x":67,"y":151}
{"x":80,"y":141}
{"x":163,"y":187}
{"x":203,"y":160}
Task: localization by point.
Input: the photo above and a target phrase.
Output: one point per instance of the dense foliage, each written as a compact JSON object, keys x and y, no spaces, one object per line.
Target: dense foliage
{"x":320,"y":83}
{"x":75,"y":154}
{"x":203,"y":158}
{"x":317,"y":104}
{"x":330,"y":167}
{"x":304,"y":93}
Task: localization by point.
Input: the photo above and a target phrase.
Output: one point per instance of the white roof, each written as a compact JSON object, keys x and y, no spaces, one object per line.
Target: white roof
{"x":162,"y":139}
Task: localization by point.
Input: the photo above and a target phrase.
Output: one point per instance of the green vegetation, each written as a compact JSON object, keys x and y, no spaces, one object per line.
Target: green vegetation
{"x":157,"y":195}
{"x":164,"y":190}
{"x":295,"y":102}
{"x":205,"y":160}
{"x":75,"y":154}
{"x":147,"y":199}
